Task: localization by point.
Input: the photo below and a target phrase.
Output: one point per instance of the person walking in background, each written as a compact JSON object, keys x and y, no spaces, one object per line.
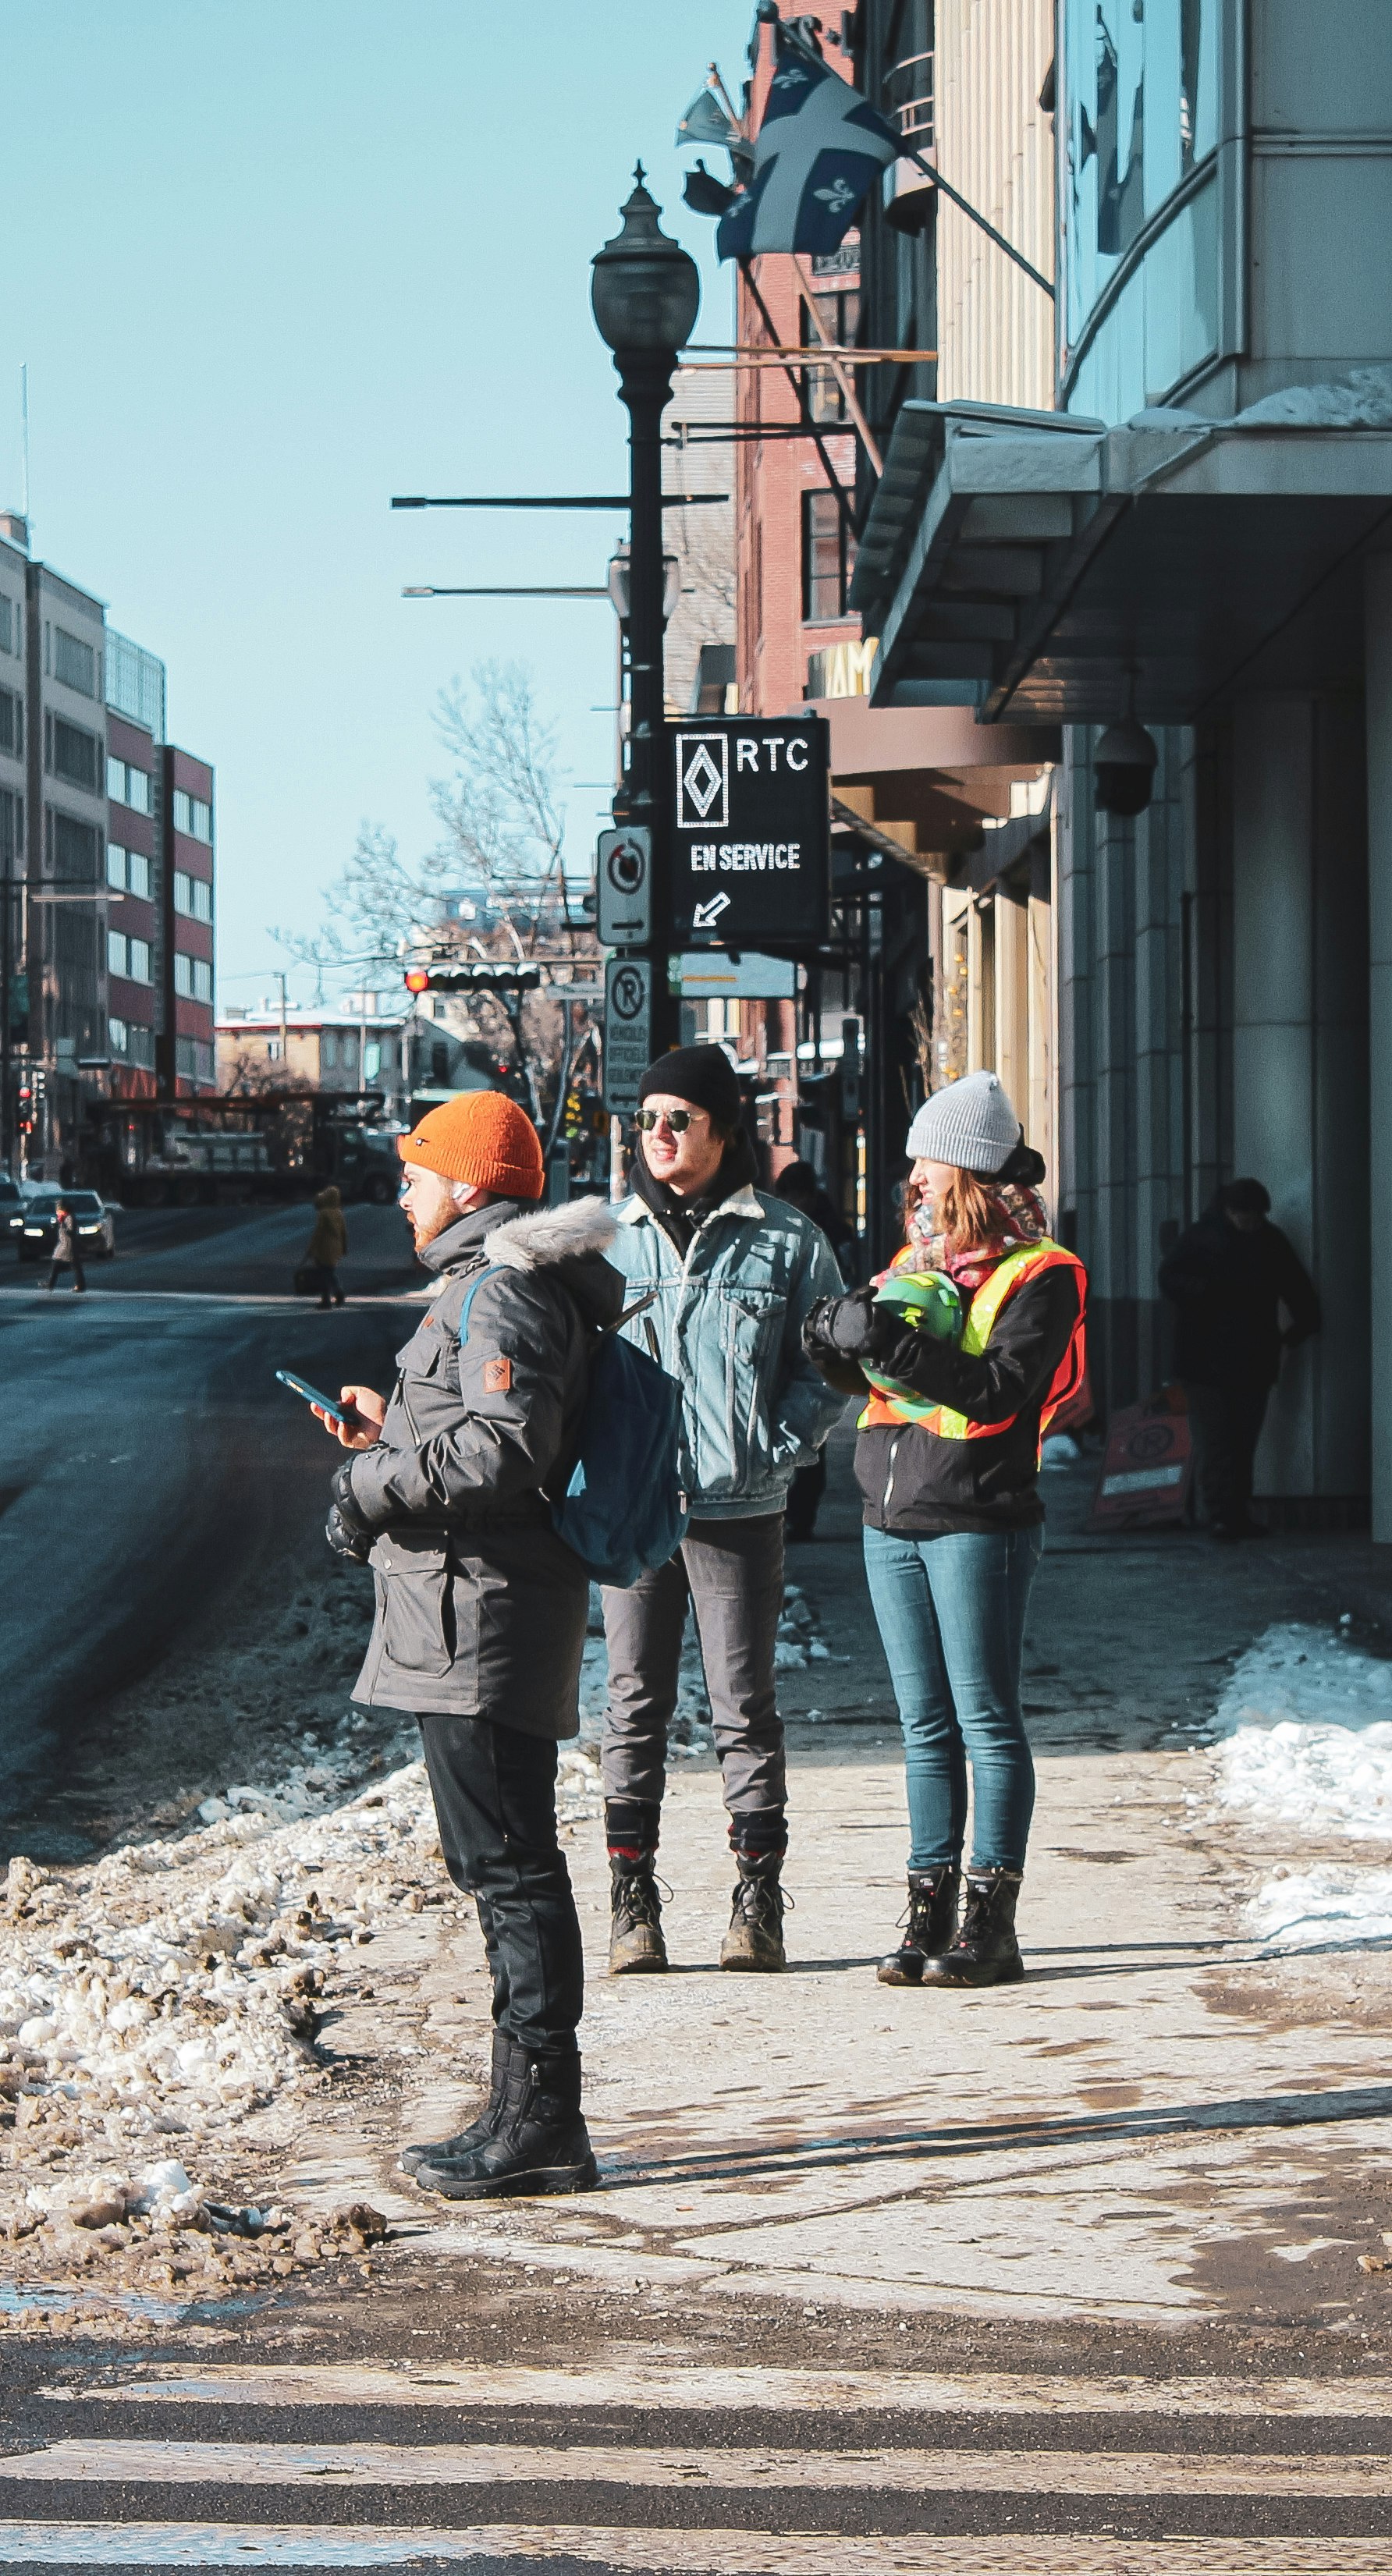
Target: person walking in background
{"x":948,"y":1464}
{"x":481,"y":1607}
{"x":328,"y":1245}
{"x":736,"y":1271}
{"x":1228,"y":1278}
{"x":799,"y":1185}
{"x":67,"y":1252}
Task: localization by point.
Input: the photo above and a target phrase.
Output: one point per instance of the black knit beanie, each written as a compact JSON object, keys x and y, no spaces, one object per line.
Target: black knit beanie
{"x":703,"y":1075}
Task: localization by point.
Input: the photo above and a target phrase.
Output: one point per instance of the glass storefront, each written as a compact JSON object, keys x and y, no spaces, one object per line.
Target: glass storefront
{"x":1140,"y":104}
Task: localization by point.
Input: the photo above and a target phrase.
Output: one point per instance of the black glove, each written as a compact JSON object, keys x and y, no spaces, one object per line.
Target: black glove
{"x":346,"y":1530}
{"x":826,"y":1321}
{"x":849,"y":1324}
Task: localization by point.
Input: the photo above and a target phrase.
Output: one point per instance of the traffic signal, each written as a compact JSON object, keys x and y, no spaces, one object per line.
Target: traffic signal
{"x":484,"y":978}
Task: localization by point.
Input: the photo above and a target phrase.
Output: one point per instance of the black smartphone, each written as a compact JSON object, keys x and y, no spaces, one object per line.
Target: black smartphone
{"x":329,"y":1404}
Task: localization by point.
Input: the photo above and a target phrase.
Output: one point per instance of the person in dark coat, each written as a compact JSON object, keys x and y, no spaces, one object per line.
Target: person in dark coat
{"x":481,"y":1607}
{"x":799,"y":1185}
{"x":1228,"y":1278}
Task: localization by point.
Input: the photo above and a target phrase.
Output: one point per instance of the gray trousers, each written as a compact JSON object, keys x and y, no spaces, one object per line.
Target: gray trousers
{"x":732,"y":1573}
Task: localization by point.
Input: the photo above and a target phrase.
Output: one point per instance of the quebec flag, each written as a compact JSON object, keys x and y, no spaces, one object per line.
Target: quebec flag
{"x":821,"y":145}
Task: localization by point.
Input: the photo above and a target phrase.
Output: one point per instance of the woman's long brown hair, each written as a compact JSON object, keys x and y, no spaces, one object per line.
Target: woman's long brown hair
{"x":963,"y":1211}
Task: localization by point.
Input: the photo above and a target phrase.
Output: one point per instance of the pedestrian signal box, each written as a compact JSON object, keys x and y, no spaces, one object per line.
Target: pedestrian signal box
{"x":750,"y":818}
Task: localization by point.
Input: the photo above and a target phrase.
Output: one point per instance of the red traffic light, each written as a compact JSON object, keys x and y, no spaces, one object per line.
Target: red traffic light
{"x":417,"y":979}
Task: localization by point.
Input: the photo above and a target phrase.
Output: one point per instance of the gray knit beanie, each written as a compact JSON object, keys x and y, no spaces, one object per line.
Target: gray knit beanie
{"x":970,"y":1123}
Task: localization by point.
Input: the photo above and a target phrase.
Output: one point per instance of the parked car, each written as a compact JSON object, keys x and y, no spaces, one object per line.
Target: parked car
{"x":13,"y":1200}
{"x":96,"y":1224}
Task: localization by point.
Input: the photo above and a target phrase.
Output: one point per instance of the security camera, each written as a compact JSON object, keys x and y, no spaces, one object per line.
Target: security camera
{"x":1123,"y":768}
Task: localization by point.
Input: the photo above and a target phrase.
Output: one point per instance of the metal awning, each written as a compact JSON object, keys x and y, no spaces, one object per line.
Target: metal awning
{"x":1057,"y":570}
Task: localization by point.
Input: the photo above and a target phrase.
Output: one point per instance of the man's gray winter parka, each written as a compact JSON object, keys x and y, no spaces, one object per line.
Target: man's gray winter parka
{"x":480,"y":1606}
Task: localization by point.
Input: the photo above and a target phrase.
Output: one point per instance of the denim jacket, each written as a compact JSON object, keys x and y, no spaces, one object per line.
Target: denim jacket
{"x":727,"y":1324}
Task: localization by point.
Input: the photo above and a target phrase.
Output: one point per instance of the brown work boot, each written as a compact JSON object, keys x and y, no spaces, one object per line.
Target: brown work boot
{"x":985,"y":1952}
{"x":754,"y":1941}
{"x":636,"y":1945}
{"x":928,"y":1926}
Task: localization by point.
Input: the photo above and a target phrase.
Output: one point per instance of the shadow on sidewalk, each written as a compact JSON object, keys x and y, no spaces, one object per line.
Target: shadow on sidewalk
{"x":875,"y":2146}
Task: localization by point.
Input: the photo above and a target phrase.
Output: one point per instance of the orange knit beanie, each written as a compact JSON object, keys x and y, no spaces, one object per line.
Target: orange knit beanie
{"x":483,"y":1138}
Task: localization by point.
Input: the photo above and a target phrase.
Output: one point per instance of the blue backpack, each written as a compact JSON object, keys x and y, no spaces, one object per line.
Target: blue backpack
{"x":623,"y":1511}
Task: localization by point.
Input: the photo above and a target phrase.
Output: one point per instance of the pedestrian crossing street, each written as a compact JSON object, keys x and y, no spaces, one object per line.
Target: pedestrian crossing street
{"x":719,"y":2472}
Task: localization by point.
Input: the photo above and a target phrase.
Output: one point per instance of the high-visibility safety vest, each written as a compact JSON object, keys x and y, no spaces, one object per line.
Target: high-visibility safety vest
{"x":1013,"y":1273}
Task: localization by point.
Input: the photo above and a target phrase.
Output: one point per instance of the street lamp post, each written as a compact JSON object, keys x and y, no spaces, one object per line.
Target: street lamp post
{"x":645,"y":294}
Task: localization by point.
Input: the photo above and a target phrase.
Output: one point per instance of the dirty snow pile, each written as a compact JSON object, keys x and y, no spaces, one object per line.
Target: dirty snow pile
{"x":1308,"y":1909}
{"x":171,"y":1988}
{"x":1306,"y":1729}
{"x":1308,"y":1726}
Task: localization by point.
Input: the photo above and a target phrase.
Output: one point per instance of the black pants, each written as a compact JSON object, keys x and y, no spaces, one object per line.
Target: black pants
{"x":324,"y":1277}
{"x":57,"y":1268}
{"x":1227,"y":1423}
{"x":495,"y":1802}
{"x":804,"y":1498}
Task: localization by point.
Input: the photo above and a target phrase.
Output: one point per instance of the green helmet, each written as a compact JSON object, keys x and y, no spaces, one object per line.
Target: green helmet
{"x":927,"y":1300}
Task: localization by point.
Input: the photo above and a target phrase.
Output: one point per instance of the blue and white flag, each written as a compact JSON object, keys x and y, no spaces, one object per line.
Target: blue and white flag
{"x":820,"y":147}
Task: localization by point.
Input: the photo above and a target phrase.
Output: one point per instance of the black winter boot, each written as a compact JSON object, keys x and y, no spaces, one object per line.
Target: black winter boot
{"x":985,"y":1952}
{"x":411,"y":2158}
{"x":540,"y":2143}
{"x":928,"y":1925}
{"x":636,"y":1945}
{"x":754,"y":1941}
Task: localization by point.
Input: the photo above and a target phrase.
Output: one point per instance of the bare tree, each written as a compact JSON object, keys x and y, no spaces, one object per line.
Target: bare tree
{"x":501,"y":807}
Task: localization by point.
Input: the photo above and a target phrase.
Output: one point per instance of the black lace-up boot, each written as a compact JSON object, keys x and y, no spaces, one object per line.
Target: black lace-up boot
{"x":928,"y":1925}
{"x":636,"y":1945}
{"x":539,"y":2145}
{"x":985,"y":1952}
{"x":483,"y":2127}
{"x":754,"y":1941}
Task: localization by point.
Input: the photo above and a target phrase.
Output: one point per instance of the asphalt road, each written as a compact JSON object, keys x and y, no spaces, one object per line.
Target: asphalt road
{"x":150,"y":1462}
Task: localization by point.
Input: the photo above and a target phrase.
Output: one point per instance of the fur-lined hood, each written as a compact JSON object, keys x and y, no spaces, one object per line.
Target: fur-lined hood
{"x":570,"y":1242}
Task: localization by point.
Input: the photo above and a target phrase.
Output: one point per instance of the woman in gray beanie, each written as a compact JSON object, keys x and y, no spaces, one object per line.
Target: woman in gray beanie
{"x":948,"y":1461}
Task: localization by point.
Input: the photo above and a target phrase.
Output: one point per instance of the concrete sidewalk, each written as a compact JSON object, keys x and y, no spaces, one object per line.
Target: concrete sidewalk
{"x":1160,"y":2126}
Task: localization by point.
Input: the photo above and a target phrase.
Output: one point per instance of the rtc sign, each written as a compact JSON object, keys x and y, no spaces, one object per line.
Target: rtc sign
{"x":750,"y":830}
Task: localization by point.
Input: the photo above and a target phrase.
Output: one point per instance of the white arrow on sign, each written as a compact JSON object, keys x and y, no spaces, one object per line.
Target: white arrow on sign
{"x":707,"y":914}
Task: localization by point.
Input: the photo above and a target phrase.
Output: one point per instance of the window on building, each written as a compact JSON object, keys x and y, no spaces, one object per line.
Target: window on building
{"x":115,"y":952}
{"x":127,"y":785}
{"x":193,"y":896}
{"x":840,"y":314}
{"x":828,"y":558}
{"x":142,"y":1045}
{"x":74,"y":663}
{"x":139,"y":874}
{"x":328,"y":1050}
{"x":9,"y":624}
{"x":11,"y":723}
{"x":193,"y":977}
{"x":191,"y":815}
{"x":193,"y":1059}
{"x":372,"y":1060}
{"x":11,"y":828}
{"x":76,"y":849}
{"x":116,"y":866}
{"x":117,"y":1035}
{"x":138,"y":956}
{"x":75,"y":754}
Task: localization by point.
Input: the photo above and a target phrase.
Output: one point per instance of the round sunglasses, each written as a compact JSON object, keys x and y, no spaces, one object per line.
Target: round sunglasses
{"x":677,"y":1119}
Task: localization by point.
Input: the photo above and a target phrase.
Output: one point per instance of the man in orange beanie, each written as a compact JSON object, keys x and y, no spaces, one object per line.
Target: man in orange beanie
{"x":481,"y":1608}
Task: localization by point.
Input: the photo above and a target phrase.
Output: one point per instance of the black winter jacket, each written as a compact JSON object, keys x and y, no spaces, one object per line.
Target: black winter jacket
{"x":918,"y":1485}
{"x":480,"y":1606}
{"x":1226,"y":1288}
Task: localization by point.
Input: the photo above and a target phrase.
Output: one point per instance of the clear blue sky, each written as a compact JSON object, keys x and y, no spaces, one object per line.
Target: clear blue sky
{"x":272,"y":260}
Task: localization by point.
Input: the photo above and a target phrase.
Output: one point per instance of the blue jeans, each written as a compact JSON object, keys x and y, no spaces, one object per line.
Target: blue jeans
{"x":951,"y":1615}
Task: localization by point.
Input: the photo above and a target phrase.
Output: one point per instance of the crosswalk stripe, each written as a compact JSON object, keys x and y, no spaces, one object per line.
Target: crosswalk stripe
{"x":650,"y":2385}
{"x":670,"y":2553}
{"x":1034,"y":2472}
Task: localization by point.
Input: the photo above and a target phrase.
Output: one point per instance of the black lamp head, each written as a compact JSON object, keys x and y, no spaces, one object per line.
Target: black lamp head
{"x":645,"y":290}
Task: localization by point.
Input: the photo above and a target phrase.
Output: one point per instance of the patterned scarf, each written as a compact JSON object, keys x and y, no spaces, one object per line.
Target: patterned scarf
{"x":1017,"y":1217}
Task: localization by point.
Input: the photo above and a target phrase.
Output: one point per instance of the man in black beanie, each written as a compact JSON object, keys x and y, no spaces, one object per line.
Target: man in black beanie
{"x":736,"y":1270}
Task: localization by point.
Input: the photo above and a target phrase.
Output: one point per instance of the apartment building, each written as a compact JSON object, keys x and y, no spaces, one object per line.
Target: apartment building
{"x":348,"y":1049}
